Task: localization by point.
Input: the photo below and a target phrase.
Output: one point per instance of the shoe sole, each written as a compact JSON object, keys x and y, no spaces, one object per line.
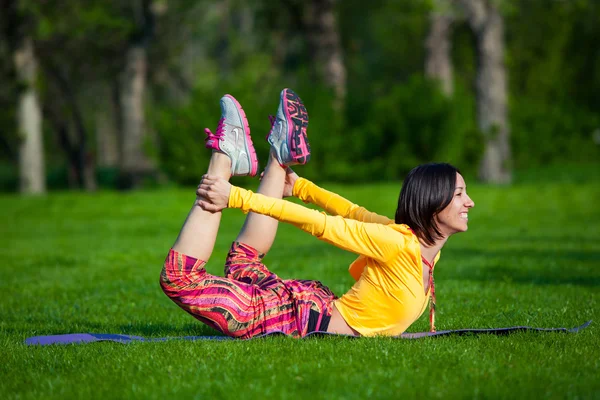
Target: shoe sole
{"x":297,"y":119}
{"x":248,"y":142}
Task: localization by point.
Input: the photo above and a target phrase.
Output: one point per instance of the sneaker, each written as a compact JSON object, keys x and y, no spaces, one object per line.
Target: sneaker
{"x":232,"y":137}
{"x":288,"y":131}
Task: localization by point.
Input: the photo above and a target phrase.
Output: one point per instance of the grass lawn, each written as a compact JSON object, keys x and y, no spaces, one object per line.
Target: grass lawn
{"x":75,"y":262}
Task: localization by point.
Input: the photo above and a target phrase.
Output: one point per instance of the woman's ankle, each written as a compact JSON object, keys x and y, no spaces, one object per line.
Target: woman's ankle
{"x":219,"y":165}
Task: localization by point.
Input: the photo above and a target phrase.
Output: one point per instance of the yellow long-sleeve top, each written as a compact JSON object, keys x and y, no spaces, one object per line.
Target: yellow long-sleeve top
{"x":388,"y":295}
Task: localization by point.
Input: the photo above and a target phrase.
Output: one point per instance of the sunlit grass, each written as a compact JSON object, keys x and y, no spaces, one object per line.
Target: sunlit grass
{"x":75,"y":262}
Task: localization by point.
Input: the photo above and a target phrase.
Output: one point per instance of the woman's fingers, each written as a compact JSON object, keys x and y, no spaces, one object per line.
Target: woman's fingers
{"x":208,"y":206}
{"x":206,"y":185}
{"x":213,"y":193}
{"x":207,"y":192}
{"x":208,"y":179}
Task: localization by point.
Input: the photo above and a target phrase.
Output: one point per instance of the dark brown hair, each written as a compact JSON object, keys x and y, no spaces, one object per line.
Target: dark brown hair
{"x":426,"y":191}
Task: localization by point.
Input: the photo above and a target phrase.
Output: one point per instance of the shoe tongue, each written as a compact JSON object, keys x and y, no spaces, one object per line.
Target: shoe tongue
{"x":272,"y":120}
{"x":211,"y":143}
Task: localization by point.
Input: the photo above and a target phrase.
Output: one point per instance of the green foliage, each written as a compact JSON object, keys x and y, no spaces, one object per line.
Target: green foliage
{"x":410,"y":124}
{"x":553,"y":113}
{"x":8,"y":178}
{"x":96,"y":259}
{"x":545,"y":133}
{"x":68,"y":29}
{"x":392,"y":118}
{"x":181,"y":128}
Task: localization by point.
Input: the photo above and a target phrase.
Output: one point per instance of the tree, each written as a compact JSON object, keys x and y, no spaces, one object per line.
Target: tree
{"x":31,"y":150}
{"x":325,"y":48}
{"x":317,"y":22}
{"x":491,"y":89}
{"x":438,"y":45}
{"x":32,"y":176}
{"x":65,"y":32}
{"x":115,"y":72}
{"x":135,"y":164}
{"x":105,"y":119}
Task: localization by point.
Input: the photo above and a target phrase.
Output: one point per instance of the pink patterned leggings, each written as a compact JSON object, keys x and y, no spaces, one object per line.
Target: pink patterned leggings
{"x":250,"y":300}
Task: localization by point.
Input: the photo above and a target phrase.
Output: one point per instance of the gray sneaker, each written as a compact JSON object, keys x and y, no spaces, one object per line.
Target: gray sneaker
{"x":232,"y":137}
{"x":288,"y":130}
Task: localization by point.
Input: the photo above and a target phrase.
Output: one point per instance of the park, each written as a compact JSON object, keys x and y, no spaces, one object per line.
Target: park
{"x":102,"y":135}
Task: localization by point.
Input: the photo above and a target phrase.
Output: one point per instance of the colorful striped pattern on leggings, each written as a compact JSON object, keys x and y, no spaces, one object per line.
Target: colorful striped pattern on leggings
{"x":249,"y":301}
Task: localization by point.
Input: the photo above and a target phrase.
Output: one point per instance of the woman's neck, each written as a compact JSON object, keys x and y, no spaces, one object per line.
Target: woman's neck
{"x":429,"y":252}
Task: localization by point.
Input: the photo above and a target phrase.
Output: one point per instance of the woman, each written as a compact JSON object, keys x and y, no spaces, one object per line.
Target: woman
{"x":394,"y":270}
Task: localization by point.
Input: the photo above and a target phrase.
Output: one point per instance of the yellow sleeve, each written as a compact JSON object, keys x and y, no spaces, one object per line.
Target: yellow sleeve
{"x":335,"y":204}
{"x":372,"y":240}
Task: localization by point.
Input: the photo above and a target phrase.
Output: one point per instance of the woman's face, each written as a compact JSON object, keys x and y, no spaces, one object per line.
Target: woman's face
{"x":454,"y":218}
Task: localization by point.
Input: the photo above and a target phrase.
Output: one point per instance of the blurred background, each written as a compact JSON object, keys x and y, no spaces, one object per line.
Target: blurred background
{"x":106,"y":94}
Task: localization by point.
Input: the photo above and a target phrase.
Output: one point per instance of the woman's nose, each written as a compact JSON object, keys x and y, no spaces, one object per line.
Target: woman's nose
{"x":470,"y":202}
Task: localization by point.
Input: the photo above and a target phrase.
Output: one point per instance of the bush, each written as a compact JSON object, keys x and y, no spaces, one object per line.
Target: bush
{"x":403,"y":126}
{"x":415,"y":123}
{"x":409,"y":124}
{"x":180,"y":129}
{"x":548,"y":133}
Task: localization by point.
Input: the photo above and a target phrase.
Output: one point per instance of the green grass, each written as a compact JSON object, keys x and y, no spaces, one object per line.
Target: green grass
{"x":75,"y":262}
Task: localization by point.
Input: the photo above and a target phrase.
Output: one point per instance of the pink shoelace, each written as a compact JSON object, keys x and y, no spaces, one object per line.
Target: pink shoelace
{"x":272,"y":120}
{"x":431,"y":296}
{"x":219,"y":133}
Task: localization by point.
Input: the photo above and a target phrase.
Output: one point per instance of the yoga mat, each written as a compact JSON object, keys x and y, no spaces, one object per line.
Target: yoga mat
{"x":107,"y":337}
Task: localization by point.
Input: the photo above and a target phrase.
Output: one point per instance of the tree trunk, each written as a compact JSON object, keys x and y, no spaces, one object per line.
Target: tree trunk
{"x":81,"y":158}
{"x":32,"y":175}
{"x":491,"y":85}
{"x":107,"y":141}
{"x":438,"y":46}
{"x":223,"y":9}
{"x":324,"y":40}
{"x":135,"y":165}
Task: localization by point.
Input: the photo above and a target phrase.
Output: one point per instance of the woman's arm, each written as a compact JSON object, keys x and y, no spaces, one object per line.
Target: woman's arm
{"x":335,"y":204}
{"x":372,"y":240}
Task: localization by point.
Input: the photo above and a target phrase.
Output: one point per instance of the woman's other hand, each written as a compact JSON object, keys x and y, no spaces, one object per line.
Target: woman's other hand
{"x":214,"y":193}
{"x":290,"y":180}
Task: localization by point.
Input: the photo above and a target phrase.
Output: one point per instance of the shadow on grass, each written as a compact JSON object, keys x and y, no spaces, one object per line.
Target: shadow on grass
{"x":548,"y":267}
{"x":161,"y":329}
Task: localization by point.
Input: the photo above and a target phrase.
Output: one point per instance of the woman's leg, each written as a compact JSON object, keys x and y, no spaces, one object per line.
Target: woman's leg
{"x":199,"y":232}
{"x":258,"y":230}
{"x":233,"y":307}
{"x":183,"y":277}
{"x":289,"y":146}
{"x":226,"y":305}
{"x":233,"y":154}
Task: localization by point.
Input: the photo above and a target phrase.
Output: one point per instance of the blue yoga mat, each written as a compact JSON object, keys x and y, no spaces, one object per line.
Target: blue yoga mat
{"x":107,"y":337}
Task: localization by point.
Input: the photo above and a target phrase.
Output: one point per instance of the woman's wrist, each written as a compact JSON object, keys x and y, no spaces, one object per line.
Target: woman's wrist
{"x":234,"y":194}
{"x":298,"y":187}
